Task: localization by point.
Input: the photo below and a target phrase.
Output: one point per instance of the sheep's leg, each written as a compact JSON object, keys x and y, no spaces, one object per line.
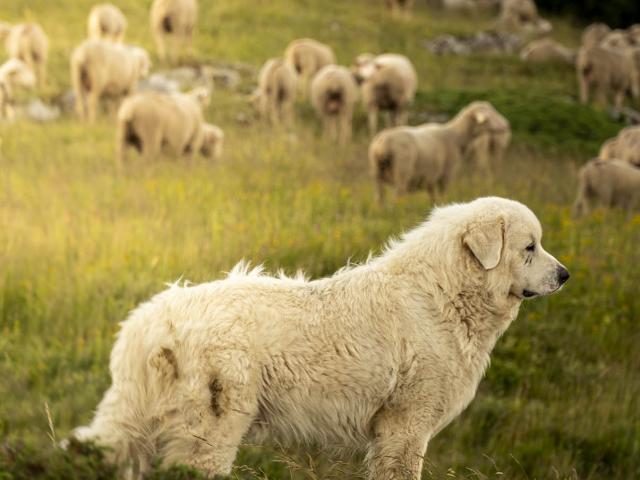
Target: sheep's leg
{"x":345,"y":128}
{"x":583,"y":85}
{"x":161,"y":47}
{"x":93,"y":102}
{"x":399,"y":117}
{"x":372,"y":118}
{"x":151,"y":144}
{"x":601,"y":96}
{"x":618,"y":101}
{"x":433,"y":195}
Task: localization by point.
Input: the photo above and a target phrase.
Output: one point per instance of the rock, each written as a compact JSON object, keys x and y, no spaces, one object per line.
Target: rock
{"x":481,"y":42}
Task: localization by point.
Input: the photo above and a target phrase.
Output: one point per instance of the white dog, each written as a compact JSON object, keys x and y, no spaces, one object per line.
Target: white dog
{"x":382,"y":355}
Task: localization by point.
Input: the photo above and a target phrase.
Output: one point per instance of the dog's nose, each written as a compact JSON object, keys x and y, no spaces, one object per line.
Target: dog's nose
{"x":563,"y":275}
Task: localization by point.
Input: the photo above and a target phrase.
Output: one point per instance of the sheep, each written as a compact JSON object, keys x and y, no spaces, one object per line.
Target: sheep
{"x":334,"y":93}
{"x":275,"y":95}
{"x":625,"y":146}
{"x":29,"y":43}
{"x":594,"y":34}
{"x":400,"y":8}
{"x":613,"y":183}
{"x":547,"y":50}
{"x":100,"y":69}
{"x":14,"y":74}
{"x":389,"y":83}
{"x":212,"y":141}
{"x":307,"y":57}
{"x":175,"y":21}
{"x":149,"y":121}
{"x":107,"y":22}
{"x":469,"y":5}
{"x":605,"y":70}
{"x":521,"y":16}
{"x":427,"y":156}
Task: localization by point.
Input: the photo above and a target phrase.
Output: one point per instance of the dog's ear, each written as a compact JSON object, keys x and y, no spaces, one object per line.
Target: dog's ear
{"x":485,"y":240}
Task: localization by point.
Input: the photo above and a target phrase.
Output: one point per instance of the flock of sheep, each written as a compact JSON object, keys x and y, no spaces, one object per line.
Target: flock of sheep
{"x":103,"y":68}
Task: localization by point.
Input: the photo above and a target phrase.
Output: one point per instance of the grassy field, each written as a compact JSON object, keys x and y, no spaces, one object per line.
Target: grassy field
{"x":80,"y":246}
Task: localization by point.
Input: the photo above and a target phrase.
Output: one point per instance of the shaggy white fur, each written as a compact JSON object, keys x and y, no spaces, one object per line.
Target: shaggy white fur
{"x":381,"y":355}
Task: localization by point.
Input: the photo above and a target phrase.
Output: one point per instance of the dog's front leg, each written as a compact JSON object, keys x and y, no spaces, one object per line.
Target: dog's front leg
{"x":397,"y":450}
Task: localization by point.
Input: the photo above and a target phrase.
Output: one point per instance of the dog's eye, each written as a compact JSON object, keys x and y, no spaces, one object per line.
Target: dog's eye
{"x":531,"y":248}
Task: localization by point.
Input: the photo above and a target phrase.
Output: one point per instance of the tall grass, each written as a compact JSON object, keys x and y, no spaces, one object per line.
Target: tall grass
{"x":80,"y":245}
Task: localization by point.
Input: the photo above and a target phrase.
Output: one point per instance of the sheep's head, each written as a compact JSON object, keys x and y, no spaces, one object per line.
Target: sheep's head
{"x":634,"y":34}
{"x":618,"y":39}
{"x":142,"y":59}
{"x":202,"y":95}
{"x":212,"y":141}
{"x":594,"y":34}
{"x":484,"y":118}
{"x":16,"y":73}
{"x":363,"y":67}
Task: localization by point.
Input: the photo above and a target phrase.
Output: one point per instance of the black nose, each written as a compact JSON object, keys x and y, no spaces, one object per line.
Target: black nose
{"x":563,"y":275}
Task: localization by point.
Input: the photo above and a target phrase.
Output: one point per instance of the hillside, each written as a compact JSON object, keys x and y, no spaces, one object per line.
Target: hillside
{"x":80,"y":245}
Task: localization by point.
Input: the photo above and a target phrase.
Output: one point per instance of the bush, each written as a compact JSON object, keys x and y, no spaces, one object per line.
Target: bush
{"x":616,"y":13}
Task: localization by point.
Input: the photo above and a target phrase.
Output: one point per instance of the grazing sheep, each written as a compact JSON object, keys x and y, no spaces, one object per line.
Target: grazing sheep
{"x":14,"y":74}
{"x":173,"y":21}
{"x":104,"y":69}
{"x":613,"y":183}
{"x":607,"y":70}
{"x":547,"y":50}
{"x":400,"y":8}
{"x":107,"y":22}
{"x":307,"y":57}
{"x":275,"y":95}
{"x":594,"y":34}
{"x":427,"y":156}
{"x":29,"y":43}
{"x":151,"y":121}
{"x":212,"y":141}
{"x":389,"y":84}
{"x":334,"y":93}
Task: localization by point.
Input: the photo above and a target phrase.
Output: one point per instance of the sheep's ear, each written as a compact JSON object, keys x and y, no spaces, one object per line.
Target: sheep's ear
{"x":480,"y":118}
{"x":485,"y":240}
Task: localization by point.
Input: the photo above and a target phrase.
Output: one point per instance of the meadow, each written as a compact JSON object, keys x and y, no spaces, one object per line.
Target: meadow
{"x":80,"y":245}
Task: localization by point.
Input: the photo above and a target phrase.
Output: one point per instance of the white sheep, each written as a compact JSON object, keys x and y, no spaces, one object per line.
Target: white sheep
{"x":153,"y":121}
{"x":29,"y":43}
{"x":521,"y":16}
{"x":612,"y":183}
{"x":107,"y":22}
{"x":274,"y":97}
{"x":212,"y":141}
{"x":307,"y":57}
{"x":389,"y":82}
{"x":334,"y":93}
{"x":547,"y":50}
{"x":173,"y":21}
{"x":607,"y":70}
{"x":104,"y":69}
{"x":14,"y":74}
{"x":427,"y":156}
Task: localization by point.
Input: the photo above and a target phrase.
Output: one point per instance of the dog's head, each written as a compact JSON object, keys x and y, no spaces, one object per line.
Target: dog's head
{"x":504,"y":238}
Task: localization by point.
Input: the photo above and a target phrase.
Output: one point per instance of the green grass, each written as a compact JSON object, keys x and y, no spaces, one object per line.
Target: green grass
{"x":81,"y":246}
